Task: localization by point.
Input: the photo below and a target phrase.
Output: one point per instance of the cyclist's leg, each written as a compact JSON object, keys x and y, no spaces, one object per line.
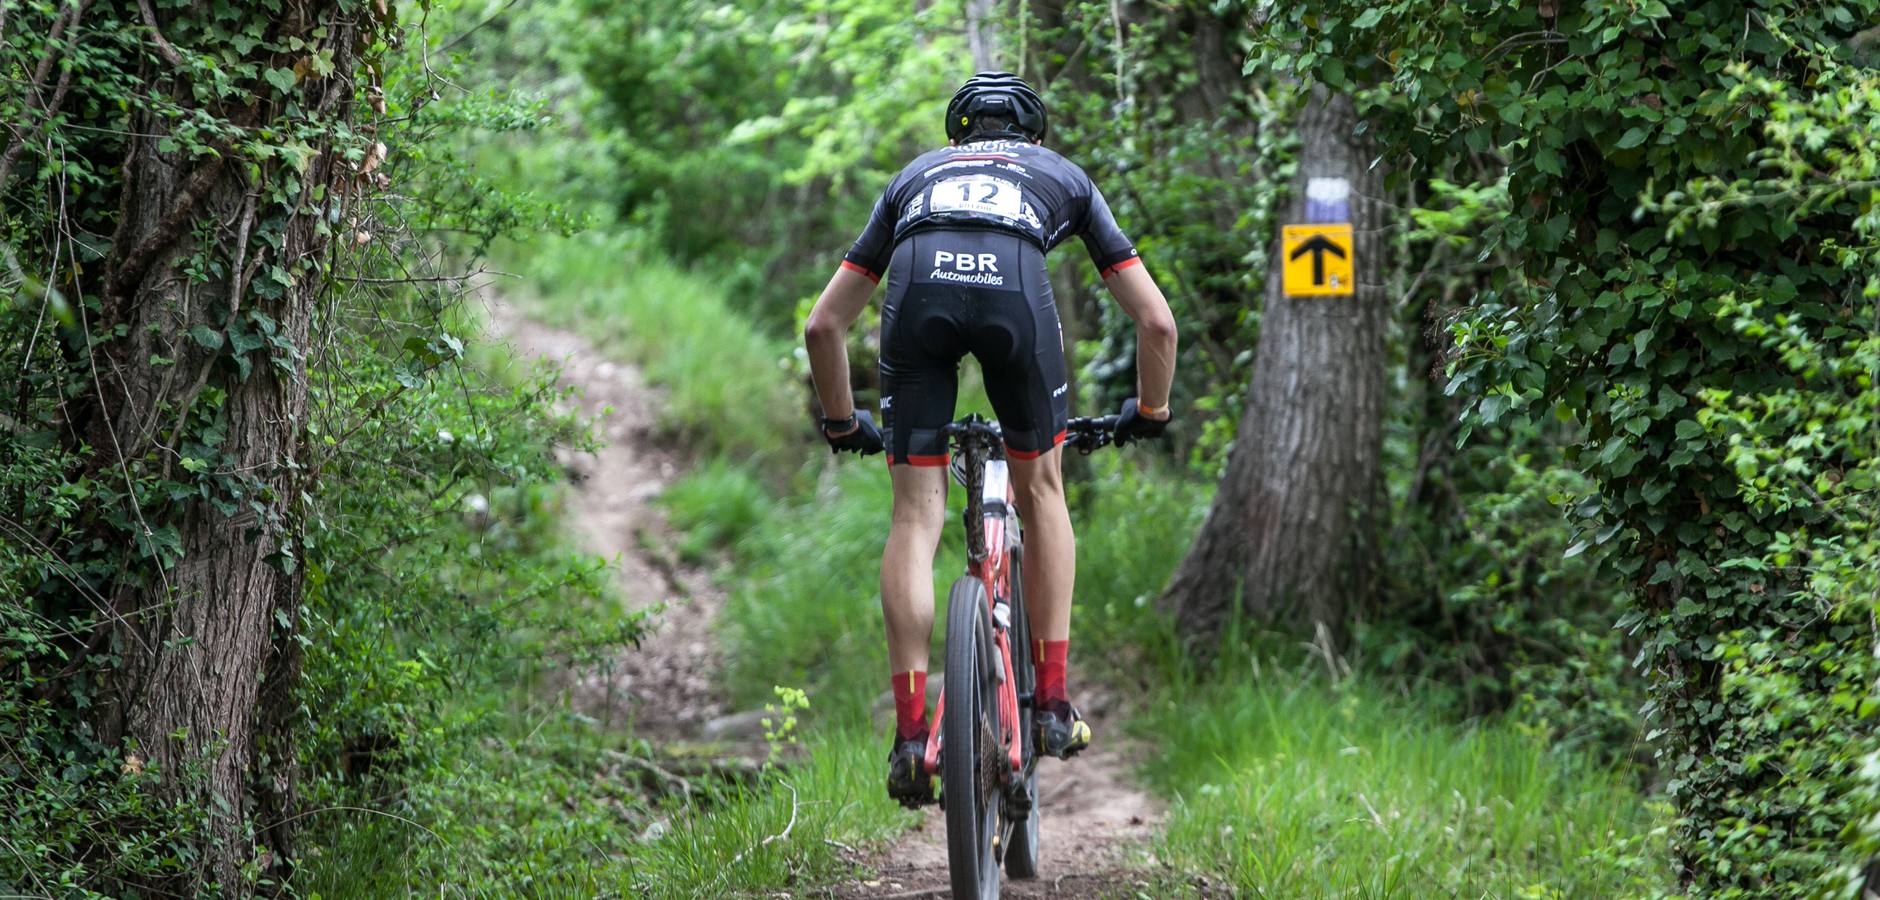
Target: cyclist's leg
{"x":920,"y":351}
{"x":1050,"y":545}
{"x":920,"y":501}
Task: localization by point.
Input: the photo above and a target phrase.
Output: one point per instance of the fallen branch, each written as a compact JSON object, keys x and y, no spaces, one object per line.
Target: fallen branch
{"x":652,"y":776}
{"x":779,"y":836}
{"x":840,"y":846}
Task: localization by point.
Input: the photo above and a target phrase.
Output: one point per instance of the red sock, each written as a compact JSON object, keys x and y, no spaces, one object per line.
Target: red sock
{"x":1051,"y":660}
{"x":910,"y":705}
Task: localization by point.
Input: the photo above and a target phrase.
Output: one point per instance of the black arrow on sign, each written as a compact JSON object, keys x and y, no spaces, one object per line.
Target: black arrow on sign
{"x":1318,"y":246}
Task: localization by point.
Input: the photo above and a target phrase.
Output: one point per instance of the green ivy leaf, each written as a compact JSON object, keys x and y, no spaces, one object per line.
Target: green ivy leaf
{"x":282,"y":79}
{"x":207,"y":337}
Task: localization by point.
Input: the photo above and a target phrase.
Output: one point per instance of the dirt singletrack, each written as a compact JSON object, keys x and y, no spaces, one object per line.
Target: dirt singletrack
{"x":1095,"y":825}
{"x":1096,"y":822}
{"x":665,"y":687}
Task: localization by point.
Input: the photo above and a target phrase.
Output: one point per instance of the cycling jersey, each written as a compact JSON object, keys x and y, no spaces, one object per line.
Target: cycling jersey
{"x":1018,"y":187}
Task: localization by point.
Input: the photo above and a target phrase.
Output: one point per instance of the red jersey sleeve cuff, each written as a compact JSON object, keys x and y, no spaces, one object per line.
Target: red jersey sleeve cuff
{"x":861,"y":270}
{"x":1118,"y":267}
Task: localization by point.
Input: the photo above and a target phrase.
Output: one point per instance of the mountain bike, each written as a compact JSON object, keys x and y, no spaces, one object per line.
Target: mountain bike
{"x":983,"y":749}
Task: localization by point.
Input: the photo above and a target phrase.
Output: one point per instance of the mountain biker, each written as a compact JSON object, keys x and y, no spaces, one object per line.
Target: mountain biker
{"x":961,"y":235}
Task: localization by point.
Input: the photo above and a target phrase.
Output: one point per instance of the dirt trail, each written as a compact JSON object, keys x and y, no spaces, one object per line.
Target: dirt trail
{"x":1093,"y":830}
{"x":664,"y":687}
{"x":1095,"y":821}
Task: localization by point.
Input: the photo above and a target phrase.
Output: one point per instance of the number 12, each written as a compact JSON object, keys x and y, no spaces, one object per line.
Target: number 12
{"x":966,"y":193}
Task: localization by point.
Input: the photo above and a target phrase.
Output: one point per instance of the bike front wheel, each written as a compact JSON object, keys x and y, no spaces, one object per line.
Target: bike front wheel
{"x":970,"y":754}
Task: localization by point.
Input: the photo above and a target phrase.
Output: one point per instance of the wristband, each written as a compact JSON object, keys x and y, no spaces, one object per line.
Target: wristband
{"x":839,"y":425}
{"x":1148,"y":410}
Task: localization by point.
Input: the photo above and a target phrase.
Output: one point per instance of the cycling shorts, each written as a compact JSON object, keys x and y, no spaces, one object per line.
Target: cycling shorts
{"x":954,"y":292}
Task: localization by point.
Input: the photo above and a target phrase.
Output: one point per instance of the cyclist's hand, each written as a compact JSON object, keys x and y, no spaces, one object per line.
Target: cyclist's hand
{"x":1132,"y":425}
{"x":863,"y":437}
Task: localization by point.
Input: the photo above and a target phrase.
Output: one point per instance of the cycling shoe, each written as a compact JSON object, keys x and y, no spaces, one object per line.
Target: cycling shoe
{"x":1061,"y":730}
{"x":908,"y":783}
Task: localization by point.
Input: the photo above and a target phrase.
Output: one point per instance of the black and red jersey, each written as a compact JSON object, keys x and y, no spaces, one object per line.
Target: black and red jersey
{"x":1011,"y":186}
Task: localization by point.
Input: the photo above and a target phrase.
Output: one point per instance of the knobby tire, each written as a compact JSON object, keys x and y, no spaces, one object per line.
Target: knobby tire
{"x":1021,"y":850}
{"x":972,"y":811}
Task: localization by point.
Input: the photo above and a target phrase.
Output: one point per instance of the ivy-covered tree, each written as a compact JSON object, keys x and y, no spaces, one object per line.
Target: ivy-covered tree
{"x":174,"y":176}
{"x":1641,"y":322}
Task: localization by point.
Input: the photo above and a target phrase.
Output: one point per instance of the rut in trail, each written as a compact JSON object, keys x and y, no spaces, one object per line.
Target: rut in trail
{"x":1096,"y":822}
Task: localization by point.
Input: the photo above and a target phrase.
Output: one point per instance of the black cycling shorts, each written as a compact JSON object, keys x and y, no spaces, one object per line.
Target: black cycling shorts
{"x":951,"y":293}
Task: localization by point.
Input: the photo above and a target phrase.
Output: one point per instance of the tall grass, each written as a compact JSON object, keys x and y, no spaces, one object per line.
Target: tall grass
{"x":1290,"y":787}
{"x":805,"y":604}
{"x":548,"y":811}
{"x":1287,"y":786}
{"x":729,"y":387}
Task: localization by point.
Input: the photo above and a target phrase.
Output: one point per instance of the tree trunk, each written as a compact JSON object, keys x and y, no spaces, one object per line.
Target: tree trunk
{"x":206,"y":302}
{"x":982,"y":34}
{"x":1292,"y":527}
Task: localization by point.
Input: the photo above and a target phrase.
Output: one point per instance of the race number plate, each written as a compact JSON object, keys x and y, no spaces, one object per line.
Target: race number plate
{"x":977,"y":194}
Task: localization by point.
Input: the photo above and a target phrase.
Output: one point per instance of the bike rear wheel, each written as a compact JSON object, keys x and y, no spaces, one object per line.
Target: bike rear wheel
{"x":970,"y":753}
{"x":1021,"y":850}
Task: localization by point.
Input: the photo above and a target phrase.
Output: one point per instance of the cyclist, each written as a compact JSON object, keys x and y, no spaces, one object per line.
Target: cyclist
{"x":961,"y":235}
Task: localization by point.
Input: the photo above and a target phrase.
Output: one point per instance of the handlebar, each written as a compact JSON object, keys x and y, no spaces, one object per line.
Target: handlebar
{"x":1088,"y":434}
{"x":1085,"y":434}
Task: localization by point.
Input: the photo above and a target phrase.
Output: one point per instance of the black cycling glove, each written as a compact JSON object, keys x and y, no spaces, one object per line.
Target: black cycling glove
{"x":864,"y":440}
{"x":1132,"y":425}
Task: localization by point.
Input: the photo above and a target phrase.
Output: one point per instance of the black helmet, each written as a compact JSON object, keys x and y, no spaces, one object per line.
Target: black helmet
{"x":996,"y":94}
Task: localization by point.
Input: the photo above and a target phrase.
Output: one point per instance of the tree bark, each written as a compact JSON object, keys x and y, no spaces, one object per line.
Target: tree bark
{"x":205,"y":615}
{"x":982,"y":34}
{"x":1291,"y":531}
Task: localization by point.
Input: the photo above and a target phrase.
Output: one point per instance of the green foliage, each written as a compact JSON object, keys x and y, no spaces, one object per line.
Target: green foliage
{"x":1622,"y":316}
{"x":420,"y":520}
{"x":1290,"y":787}
{"x":714,"y":506}
{"x":762,"y":153}
{"x":67,"y":793}
{"x":450,"y":585}
{"x":1184,"y":154}
{"x":728,"y":386}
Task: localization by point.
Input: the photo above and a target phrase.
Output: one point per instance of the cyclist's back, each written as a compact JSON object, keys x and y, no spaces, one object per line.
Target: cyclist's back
{"x":960,"y":235}
{"x":1013,"y":186}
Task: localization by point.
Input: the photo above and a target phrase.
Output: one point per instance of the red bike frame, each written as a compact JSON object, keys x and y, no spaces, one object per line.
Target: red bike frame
{"x":995,"y":572}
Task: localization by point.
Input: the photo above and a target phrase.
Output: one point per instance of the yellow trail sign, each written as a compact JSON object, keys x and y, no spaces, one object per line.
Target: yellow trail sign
{"x":1316,"y":260}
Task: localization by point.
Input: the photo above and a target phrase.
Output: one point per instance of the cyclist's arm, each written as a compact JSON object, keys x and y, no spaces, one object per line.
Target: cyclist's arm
{"x":1129,"y":282}
{"x":1136,"y":292}
{"x":826,"y":338}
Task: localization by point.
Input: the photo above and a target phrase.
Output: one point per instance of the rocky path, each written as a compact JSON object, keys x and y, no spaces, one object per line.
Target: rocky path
{"x":1095,"y":820}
